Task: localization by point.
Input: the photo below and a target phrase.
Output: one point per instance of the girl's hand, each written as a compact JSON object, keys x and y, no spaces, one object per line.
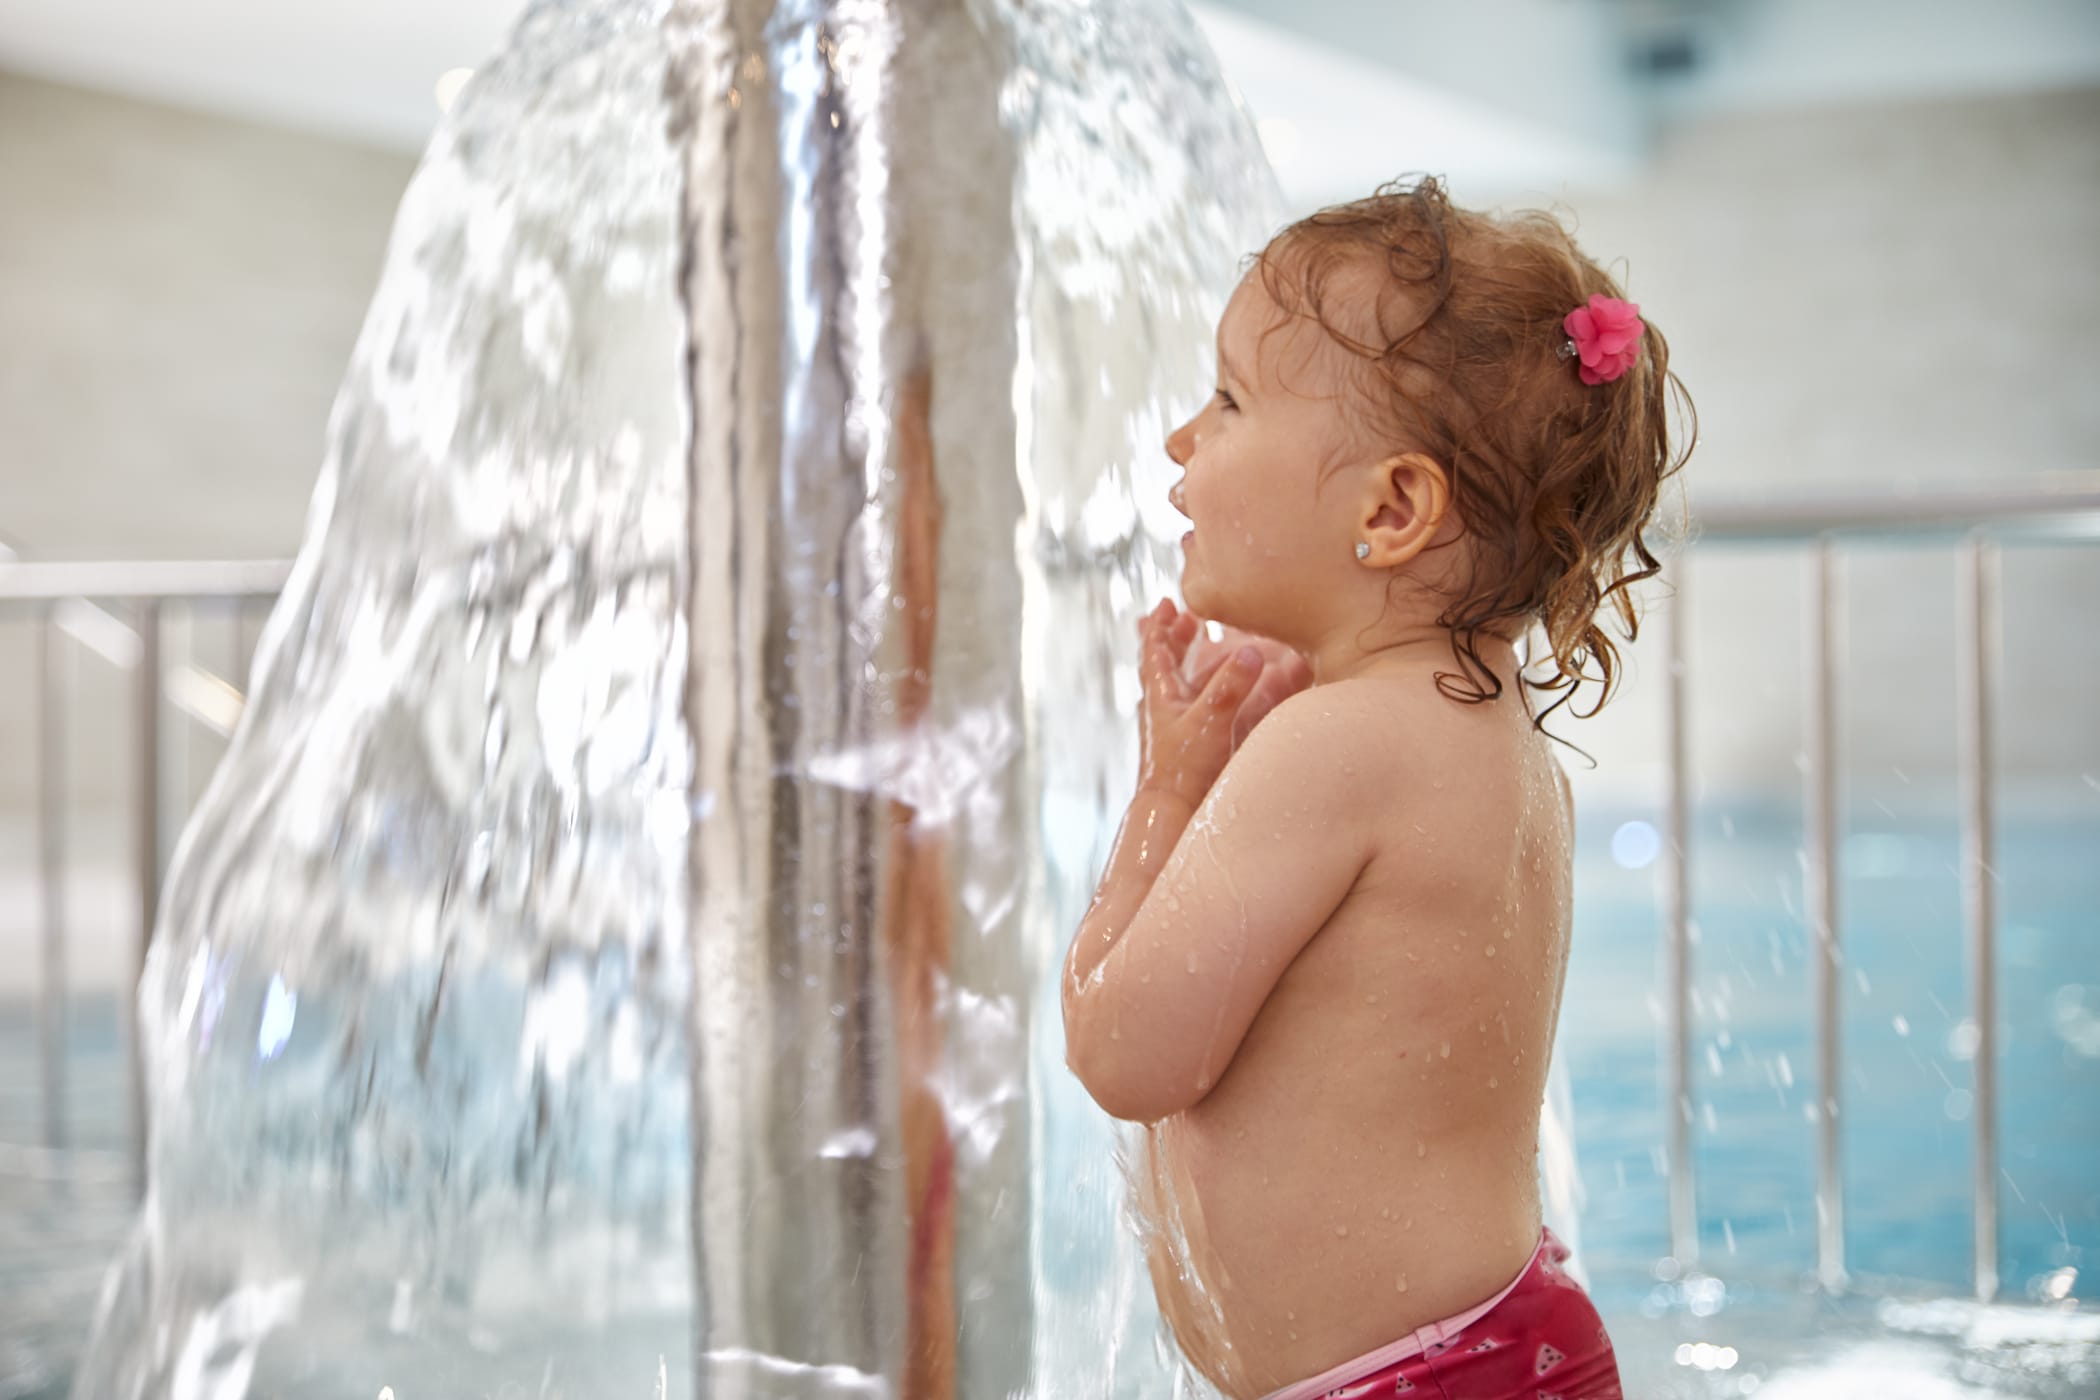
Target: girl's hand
{"x":1200,"y":702}
{"x":1284,"y":672}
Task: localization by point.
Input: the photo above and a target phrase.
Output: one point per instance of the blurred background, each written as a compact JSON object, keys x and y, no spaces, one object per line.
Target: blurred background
{"x":1868,"y":229}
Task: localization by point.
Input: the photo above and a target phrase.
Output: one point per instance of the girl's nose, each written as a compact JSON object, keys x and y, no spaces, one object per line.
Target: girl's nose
{"x":1181,"y":442}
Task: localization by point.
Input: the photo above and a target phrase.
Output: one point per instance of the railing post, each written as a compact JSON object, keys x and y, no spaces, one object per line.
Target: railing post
{"x":149,"y":862}
{"x":53,"y":1005}
{"x":1677,"y":947}
{"x":1977,"y":646}
{"x":1820,"y":880}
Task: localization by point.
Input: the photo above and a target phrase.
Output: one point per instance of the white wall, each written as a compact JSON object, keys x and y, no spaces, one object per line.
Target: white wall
{"x":178,"y":295}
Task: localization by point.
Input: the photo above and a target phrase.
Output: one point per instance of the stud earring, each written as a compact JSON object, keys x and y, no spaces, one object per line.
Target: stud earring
{"x":1363,"y":550}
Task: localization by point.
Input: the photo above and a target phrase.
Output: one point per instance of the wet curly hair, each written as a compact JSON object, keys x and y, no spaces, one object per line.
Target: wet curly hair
{"x":1553,"y":480}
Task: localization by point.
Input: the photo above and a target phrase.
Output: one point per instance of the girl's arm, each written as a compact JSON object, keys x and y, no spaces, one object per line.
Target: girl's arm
{"x":1151,"y":829}
{"x":1175,"y":960}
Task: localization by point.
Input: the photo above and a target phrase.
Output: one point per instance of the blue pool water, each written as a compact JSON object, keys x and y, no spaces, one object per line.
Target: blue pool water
{"x":1907,"y":1115}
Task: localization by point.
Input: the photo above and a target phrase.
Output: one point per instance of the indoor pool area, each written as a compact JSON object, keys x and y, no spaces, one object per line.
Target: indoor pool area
{"x":646,"y":645}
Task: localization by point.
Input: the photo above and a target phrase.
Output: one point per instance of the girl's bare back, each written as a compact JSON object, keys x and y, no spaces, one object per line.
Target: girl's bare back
{"x":1366,"y":1163}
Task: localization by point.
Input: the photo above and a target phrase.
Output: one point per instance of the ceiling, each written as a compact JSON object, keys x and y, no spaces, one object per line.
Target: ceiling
{"x":1501,"y":95}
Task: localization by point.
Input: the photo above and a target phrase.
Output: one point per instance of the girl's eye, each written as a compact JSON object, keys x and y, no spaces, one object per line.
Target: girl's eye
{"x":1224,"y":400}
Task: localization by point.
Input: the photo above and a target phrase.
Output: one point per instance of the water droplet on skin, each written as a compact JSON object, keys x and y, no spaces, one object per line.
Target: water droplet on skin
{"x":1492,"y":1081}
{"x":1505,"y":933}
{"x":1385,"y":1212}
{"x":1290,"y":1317}
{"x":1491,"y":950}
{"x":1400,"y":1284}
{"x":1421,"y":1148}
{"x":1341,"y":1232}
{"x":1114,"y":1034}
{"x":1444,"y":1049}
{"x":1192,"y":962}
{"x":1370,"y":999}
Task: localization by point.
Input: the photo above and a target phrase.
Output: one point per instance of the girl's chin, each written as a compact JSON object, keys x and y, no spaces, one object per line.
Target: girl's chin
{"x":1192,"y":592}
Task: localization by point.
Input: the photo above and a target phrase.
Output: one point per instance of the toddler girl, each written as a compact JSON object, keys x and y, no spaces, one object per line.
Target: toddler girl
{"x":1325,"y":961}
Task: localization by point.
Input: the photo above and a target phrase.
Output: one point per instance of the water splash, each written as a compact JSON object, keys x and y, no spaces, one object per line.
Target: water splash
{"x":620,"y":910}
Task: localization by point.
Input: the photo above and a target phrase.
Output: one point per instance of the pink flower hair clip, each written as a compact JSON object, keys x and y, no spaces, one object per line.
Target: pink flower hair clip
{"x":1606,"y":334}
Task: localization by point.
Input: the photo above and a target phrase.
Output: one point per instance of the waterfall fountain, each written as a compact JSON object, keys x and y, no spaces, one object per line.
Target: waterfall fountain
{"x":613,"y":957}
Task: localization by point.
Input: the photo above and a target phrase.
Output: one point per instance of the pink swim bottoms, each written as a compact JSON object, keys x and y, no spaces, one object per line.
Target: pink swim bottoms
{"x":1538,"y":1339}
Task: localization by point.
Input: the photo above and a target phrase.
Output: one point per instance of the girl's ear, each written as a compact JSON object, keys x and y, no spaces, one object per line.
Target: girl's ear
{"x":1405,"y":500}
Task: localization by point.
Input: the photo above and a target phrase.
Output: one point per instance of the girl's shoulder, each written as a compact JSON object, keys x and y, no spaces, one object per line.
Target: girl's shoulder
{"x":1409,"y":745}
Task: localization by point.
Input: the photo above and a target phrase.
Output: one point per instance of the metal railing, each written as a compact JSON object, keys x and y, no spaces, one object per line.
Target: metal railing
{"x":42,"y":590}
{"x":1974,"y":522}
